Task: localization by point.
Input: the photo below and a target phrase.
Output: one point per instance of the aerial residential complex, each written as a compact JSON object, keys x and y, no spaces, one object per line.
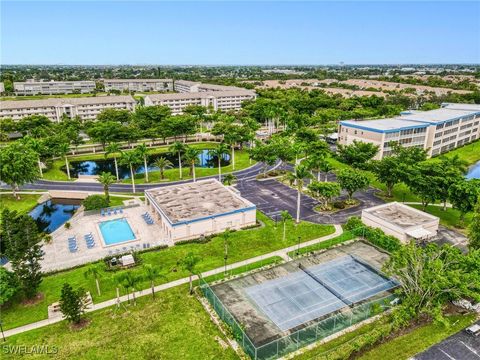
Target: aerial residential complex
{"x":217,"y":100}
{"x":138,"y":84}
{"x":437,"y":131}
{"x":188,"y":211}
{"x":86,"y":108}
{"x":32,"y":87}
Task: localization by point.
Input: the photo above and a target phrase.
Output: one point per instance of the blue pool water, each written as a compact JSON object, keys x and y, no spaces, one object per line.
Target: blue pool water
{"x":53,"y":213}
{"x":116,"y":231}
{"x":474,"y":172}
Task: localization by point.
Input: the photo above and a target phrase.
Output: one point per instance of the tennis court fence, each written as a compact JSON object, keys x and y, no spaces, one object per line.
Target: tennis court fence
{"x":303,"y":337}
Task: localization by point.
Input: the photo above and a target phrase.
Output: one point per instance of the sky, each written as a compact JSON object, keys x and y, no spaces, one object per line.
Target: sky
{"x":239,"y":33}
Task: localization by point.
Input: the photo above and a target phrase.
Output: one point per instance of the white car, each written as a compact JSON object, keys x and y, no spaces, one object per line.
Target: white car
{"x":473,"y":330}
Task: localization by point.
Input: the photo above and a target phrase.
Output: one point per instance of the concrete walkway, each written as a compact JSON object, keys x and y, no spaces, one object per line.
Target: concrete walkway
{"x":283,"y":253}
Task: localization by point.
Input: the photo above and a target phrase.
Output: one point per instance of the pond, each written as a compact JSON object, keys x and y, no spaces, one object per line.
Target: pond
{"x":474,"y":171}
{"x":52,"y":214}
{"x":96,"y":167}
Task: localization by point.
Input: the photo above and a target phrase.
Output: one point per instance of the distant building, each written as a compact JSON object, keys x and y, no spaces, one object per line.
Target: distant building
{"x":86,"y":108}
{"x":185,"y":86}
{"x":437,"y":131}
{"x":138,"y":84}
{"x":2,"y":87}
{"x":31,"y":87}
{"x":401,"y":221}
{"x":195,"y":209}
{"x":217,"y":100}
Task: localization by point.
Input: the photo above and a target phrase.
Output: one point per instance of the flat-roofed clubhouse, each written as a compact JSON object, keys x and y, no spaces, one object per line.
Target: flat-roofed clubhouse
{"x":195,"y":209}
{"x":437,"y":131}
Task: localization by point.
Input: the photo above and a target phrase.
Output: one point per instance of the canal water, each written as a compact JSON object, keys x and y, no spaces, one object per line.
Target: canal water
{"x":52,"y":214}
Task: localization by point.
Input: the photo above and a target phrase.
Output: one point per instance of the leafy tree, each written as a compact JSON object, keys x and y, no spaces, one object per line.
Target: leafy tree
{"x":178,"y":148}
{"x":474,"y":228}
{"x":326,"y":167}
{"x":352,"y":181}
{"x":219,"y":151}
{"x":358,"y":153}
{"x":106,"y":179}
{"x":132,"y":160}
{"x":95,"y":271}
{"x":63,"y":150}
{"x":72,"y":303}
{"x":189,"y":264}
{"x":191,"y":157}
{"x":105,"y":132}
{"x":298,"y":177}
{"x":9,"y":286}
{"x":38,"y":146}
{"x":163,"y":163}
{"x":22,"y":245}
{"x":149,"y":117}
{"x":114,"y":150}
{"x":314,"y":164}
{"x":285,"y":217}
{"x":430,"y":277}
{"x":455,"y":162}
{"x":324,"y":192}
{"x":18,"y":165}
{"x":463,"y":195}
{"x":266,"y":154}
{"x":115,"y":115}
{"x":143,"y":151}
{"x":423,"y":180}
{"x":95,"y":202}
{"x":229,"y":179}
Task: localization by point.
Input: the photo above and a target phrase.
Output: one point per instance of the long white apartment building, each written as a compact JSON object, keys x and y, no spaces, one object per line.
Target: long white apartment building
{"x":31,"y":87}
{"x":217,"y":100}
{"x":138,"y":84}
{"x":86,"y":108}
{"x":186,"y":86}
{"x":437,"y":131}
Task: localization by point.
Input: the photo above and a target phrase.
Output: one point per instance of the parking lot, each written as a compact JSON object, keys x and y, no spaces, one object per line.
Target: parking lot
{"x":461,"y":346}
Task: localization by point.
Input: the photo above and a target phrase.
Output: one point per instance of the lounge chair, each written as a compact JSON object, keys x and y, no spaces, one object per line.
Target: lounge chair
{"x":72,"y":244}
{"x":121,"y":210}
{"x":109,"y":212}
{"x":102,"y":212}
{"x":115,"y":211}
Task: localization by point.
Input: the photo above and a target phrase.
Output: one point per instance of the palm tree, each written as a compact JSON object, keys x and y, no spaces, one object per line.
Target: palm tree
{"x":326,"y":167}
{"x":191,"y":157}
{"x":151,"y":273}
{"x":95,"y":272}
{"x":229,"y":179}
{"x":132,"y":160}
{"x":189,"y":264}
{"x":143,"y":150}
{"x":219,"y":152}
{"x":114,"y":150}
{"x":297,"y":177}
{"x":62,"y":150}
{"x":285,"y":217}
{"x":130,"y":280}
{"x":163,"y":163}
{"x":38,"y":146}
{"x":178,"y":148}
{"x":314,"y":164}
{"x":106,"y":179}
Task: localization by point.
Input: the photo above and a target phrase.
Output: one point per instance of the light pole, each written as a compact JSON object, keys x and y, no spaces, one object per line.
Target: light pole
{"x":298,"y":246}
{"x":225,"y":247}
{"x":1,"y":329}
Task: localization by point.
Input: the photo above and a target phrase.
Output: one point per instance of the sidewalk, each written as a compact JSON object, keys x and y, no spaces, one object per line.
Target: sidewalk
{"x":112,"y":302}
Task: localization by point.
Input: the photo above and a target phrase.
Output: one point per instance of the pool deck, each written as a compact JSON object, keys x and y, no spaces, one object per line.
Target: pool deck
{"x":58,"y":256}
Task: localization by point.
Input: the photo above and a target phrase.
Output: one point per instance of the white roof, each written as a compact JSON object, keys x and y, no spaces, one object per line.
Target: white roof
{"x":420,"y":233}
{"x":438,"y":115}
{"x":381,"y":124}
{"x":468,"y":107}
{"x":127,"y":260}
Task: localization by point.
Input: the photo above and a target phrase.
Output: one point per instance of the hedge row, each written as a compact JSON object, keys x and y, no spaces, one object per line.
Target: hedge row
{"x":374,"y":235}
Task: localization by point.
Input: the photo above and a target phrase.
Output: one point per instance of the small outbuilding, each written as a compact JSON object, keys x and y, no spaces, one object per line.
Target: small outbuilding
{"x":401,"y":221}
{"x":191,"y":210}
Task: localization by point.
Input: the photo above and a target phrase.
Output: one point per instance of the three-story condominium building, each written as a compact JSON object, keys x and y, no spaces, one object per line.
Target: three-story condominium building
{"x":86,"y":108}
{"x":217,"y":100}
{"x":53,"y":87}
{"x":138,"y":84}
{"x":436,"y":131}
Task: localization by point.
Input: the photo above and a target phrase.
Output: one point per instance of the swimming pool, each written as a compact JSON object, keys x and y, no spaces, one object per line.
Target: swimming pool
{"x":116,"y":231}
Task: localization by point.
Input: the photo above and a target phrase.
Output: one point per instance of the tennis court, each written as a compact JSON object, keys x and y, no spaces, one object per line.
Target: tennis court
{"x":313,"y":292}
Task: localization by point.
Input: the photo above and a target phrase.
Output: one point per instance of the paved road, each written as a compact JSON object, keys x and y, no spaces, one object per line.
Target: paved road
{"x":460,"y":346}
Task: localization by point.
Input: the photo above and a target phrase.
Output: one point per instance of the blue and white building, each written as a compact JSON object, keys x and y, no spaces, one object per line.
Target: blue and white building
{"x":195,"y":209}
{"x":436,"y":131}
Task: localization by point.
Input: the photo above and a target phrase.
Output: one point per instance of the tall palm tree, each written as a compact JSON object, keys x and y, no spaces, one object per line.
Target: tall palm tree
{"x":178,"y":148}
{"x":143,"y":150}
{"x":163,"y":163}
{"x":114,"y":150}
{"x":297,"y":177}
{"x":151,"y":273}
{"x":95,"y":272}
{"x":62,"y":150}
{"x":38,"y":146}
{"x":219,"y":152}
{"x":130,"y":280}
{"x":132,"y":160}
{"x":191,"y":157}
{"x":106,"y":179}
{"x":189,"y":264}
{"x":314,"y":163}
{"x":326,"y":167}
{"x":285,"y":217}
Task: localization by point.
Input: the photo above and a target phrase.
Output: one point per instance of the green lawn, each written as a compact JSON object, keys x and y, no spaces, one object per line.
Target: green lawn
{"x":242,"y":161}
{"x":173,"y":326}
{"x":470,"y":152}
{"x":242,"y":245}
{"x":418,"y":340}
{"x":323,"y":245}
{"x":25,"y":204}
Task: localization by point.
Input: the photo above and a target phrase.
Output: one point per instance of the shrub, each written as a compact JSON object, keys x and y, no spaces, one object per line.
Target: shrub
{"x":375,"y":236}
{"x":95,"y":202}
{"x":339,"y":205}
{"x":68,"y":225}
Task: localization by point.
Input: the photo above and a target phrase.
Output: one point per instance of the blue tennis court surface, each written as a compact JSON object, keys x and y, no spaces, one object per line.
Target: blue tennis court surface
{"x":316,"y":291}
